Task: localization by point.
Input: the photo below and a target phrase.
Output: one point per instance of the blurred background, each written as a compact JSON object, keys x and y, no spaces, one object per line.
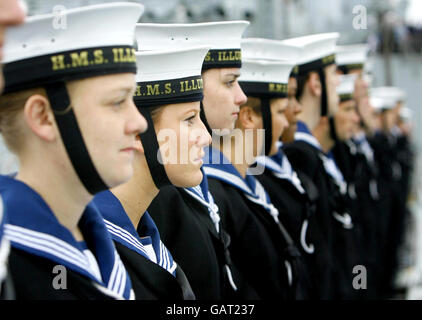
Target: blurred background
{"x":391,"y":28}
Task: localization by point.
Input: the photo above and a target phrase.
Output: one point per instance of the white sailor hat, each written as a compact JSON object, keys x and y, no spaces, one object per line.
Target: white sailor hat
{"x":406,"y":114}
{"x":346,"y":87}
{"x":318,"y":50}
{"x":265,"y":78}
{"x":381,"y":104}
{"x":392,"y":94}
{"x":170,"y":76}
{"x":351,"y":57}
{"x":223,"y":37}
{"x":95,"y":40}
{"x":165,"y":77}
{"x":268,"y":49}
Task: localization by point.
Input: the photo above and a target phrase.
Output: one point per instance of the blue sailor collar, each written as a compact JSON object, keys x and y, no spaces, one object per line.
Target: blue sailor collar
{"x":226,"y":172}
{"x":123,"y":231}
{"x":202,"y":194}
{"x":364,"y":147}
{"x":33,"y":228}
{"x":304,"y":134}
{"x":359,"y":137}
{"x":281,"y":168}
{"x":333,"y":170}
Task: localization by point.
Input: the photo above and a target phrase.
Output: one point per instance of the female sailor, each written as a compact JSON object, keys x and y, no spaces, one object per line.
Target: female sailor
{"x":68,"y":115}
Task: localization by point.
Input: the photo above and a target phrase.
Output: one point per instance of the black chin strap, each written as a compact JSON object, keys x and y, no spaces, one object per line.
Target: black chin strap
{"x":333,"y":129}
{"x":267,"y":124}
{"x":72,"y":138}
{"x":324,"y":105}
{"x":324,"y":102}
{"x":152,"y":152}
{"x":204,"y":119}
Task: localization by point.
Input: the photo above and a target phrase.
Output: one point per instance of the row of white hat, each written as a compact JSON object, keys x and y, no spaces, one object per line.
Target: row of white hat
{"x":386,"y":97}
{"x":110,"y":24}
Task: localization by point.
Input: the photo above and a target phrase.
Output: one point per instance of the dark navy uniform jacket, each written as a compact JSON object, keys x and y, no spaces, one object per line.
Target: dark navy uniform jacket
{"x":332,"y":214}
{"x":189,"y":222}
{"x":40,"y":244}
{"x":154,"y":273}
{"x":258,"y":247}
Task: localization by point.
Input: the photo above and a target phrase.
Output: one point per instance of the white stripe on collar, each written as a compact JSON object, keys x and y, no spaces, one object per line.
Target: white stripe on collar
{"x":285,"y":171}
{"x":93,"y":263}
{"x":229,"y":177}
{"x":329,"y":164}
{"x":127,"y":237}
{"x":46,"y":243}
{"x":332,"y":169}
{"x":259,"y":196}
{"x":367,"y":150}
{"x":211,"y":206}
{"x":303,"y":136}
{"x":124,"y":235}
{"x":51,"y":245}
{"x":118,"y":276}
{"x":262,"y":200}
{"x":352,"y":146}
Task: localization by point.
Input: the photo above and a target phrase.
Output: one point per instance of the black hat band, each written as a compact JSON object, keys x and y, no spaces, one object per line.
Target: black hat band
{"x":68,"y":65}
{"x":264,"y":89}
{"x":317,"y":64}
{"x":222,"y":58}
{"x":346,"y":97}
{"x":155,"y":93}
{"x":346,"y":68}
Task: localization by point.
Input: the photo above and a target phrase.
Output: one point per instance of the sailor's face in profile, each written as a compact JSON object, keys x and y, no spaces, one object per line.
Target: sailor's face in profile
{"x":222,"y":97}
{"x":279,"y":121}
{"x":293,"y":109}
{"x":109,"y":122}
{"x":332,"y":81}
{"x":346,"y":120}
{"x":182,"y":137}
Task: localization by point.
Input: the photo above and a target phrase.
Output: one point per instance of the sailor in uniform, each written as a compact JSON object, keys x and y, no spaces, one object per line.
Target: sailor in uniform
{"x":176,"y":76}
{"x":346,"y":121}
{"x":314,"y":138}
{"x":405,"y":148}
{"x":66,"y":92}
{"x":387,"y":101}
{"x":261,"y":247}
{"x":355,"y":159}
{"x":12,"y":14}
{"x":292,"y":193}
{"x":188,"y":218}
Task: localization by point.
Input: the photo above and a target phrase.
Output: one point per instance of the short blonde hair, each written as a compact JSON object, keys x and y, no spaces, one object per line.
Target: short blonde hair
{"x":11,"y":109}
